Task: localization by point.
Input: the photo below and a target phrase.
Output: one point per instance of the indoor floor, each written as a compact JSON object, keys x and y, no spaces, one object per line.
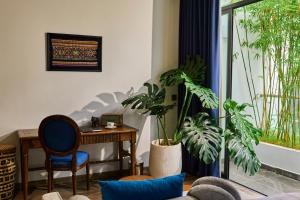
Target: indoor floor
{"x":64,"y":187}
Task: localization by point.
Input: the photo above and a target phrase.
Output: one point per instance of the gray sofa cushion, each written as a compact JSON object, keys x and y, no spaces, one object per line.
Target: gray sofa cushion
{"x":224,"y":184}
{"x":210,"y":192}
{"x":212,"y":188}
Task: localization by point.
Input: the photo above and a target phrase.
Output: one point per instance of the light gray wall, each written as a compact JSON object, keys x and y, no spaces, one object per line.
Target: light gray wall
{"x":140,"y":39}
{"x":165,"y":51}
{"x":28,"y":92}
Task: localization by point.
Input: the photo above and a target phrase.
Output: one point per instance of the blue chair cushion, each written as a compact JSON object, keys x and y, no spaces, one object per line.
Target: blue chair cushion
{"x":81,"y":157}
{"x":152,"y":189}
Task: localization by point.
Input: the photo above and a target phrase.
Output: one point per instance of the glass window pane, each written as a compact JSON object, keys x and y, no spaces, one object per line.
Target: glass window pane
{"x":265,"y":74}
{"x":228,"y":2}
{"x":223,"y":76}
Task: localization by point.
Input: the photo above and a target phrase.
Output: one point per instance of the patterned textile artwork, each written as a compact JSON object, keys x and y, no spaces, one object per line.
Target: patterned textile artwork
{"x":74,"y":52}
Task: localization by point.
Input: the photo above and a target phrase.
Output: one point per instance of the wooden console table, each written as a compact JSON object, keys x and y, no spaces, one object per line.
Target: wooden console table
{"x":29,"y":140}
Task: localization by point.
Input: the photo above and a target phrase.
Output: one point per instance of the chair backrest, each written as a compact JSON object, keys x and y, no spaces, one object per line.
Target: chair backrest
{"x":59,"y":135}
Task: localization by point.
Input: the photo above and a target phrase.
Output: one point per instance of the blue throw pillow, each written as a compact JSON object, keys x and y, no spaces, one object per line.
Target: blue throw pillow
{"x":152,"y":189}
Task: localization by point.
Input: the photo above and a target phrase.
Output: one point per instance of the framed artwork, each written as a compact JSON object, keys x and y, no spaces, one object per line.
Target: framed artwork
{"x":68,"y":52}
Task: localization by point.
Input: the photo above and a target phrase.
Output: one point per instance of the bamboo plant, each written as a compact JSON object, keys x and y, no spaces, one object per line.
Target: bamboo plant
{"x":268,"y":31}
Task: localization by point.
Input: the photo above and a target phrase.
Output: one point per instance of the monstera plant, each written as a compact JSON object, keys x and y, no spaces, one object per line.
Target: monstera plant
{"x":199,"y":134}
{"x":152,"y":102}
{"x":191,"y":76}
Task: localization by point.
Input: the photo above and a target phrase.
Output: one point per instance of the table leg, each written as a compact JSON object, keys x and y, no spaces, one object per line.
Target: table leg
{"x":132,"y":156}
{"x":24,"y":170}
{"x":121,"y":156}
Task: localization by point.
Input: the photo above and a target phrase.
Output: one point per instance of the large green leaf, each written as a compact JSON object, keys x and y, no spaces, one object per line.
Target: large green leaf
{"x":240,"y":136}
{"x":195,"y":68}
{"x":192,"y":71}
{"x":239,"y":121}
{"x":151,"y":102}
{"x":242,"y":153}
{"x":174,"y":77}
{"x":201,"y":138}
{"x":207,"y":97}
{"x":192,"y":74}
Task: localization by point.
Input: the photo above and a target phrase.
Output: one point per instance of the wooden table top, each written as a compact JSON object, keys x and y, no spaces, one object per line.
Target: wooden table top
{"x":33,"y":133}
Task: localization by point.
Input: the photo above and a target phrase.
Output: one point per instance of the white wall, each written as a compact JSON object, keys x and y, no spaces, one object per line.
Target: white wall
{"x":28,"y":92}
{"x":165,"y":51}
{"x":279,"y":157}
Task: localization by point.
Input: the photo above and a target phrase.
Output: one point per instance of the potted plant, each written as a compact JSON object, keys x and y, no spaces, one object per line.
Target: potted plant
{"x":198,"y":134}
{"x":203,"y":138}
{"x":152,"y":102}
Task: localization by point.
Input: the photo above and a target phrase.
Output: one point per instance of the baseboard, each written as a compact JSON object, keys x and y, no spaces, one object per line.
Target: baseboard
{"x":281,"y":172}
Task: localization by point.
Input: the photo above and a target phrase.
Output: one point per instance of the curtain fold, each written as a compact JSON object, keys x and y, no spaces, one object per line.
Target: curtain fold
{"x":199,"y":35}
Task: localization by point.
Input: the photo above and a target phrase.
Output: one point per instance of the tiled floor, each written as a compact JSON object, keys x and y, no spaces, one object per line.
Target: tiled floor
{"x":266,"y":181}
{"x":65,"y":190}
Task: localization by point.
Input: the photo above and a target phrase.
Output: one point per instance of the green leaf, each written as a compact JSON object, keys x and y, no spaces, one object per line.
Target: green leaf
{"x":150,"y":102}
{"x":174,"y":77}
{"x":192,"y":71}
{"x":242,"y":153}
{"x":240,"y":136}
{"x":201,"y":138}
{"x":205,"y":95}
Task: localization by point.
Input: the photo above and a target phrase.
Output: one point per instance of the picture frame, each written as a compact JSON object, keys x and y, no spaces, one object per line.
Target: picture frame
{"x":69,"y":52}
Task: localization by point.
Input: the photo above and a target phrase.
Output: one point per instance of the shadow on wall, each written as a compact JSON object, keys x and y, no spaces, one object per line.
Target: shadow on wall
{"x":110,"y":103}
{"x":104,"y":103}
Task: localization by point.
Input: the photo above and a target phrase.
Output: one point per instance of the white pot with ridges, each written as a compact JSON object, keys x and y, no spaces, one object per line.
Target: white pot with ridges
{"x":165,"y":160}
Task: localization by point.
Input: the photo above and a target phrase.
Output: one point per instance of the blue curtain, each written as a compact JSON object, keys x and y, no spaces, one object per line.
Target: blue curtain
{"x":199,"y":35}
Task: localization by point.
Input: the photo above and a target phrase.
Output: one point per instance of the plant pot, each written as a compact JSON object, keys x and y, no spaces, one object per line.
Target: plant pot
{"x":164,"y":160}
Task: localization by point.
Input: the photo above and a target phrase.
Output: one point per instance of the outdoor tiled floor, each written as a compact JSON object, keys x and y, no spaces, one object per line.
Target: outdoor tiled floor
{"x":266,"y":181}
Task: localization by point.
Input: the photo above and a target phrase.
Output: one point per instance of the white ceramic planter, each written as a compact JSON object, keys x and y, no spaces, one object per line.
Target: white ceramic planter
{"x":165,"y":160}
{"x":279,"y":157}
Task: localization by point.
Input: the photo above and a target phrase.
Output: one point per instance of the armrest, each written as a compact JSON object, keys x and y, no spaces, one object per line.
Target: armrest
{"x":219,"y":182}
{"x":210,"y":192}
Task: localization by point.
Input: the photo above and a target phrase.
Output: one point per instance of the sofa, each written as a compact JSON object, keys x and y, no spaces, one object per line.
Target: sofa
{"x":212,"y":188}
{"x":206,"y":188}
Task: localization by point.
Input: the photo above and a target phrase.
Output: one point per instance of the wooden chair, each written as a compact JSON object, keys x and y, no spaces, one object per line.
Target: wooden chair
{"x":60,"y":138}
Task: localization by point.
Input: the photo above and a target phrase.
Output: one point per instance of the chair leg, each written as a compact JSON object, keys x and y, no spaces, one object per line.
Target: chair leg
{"x":52,"y":181}
{"x":49,"y":177}
{"x":74,"y":182}
{"x":87,"y":168}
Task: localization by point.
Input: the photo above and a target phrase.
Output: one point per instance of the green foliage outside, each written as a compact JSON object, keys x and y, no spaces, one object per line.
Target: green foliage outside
{"x":271,"y":28}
